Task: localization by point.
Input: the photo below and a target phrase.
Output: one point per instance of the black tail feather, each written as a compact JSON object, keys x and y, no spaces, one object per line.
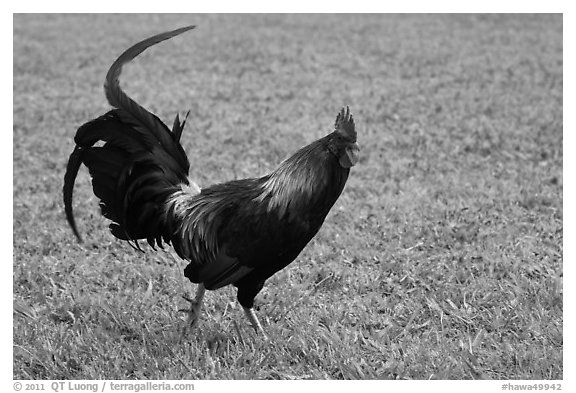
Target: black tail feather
{"x":134,"y":160}
{"x":69,"y":178}
{"x":118,"y":99}
{"x":130,"y":176}
{"x":179,"y":126}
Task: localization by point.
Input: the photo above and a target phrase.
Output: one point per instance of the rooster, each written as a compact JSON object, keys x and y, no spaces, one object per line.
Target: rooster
{"x":239,"y":232}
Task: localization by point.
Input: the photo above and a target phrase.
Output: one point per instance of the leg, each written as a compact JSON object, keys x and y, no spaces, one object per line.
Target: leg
{"x":195,"y":306}
{"x":247,"y":291}
{"x":254,"y":321}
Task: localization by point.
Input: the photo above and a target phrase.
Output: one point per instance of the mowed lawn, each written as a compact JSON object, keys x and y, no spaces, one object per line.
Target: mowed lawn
{"x":442,"y":259}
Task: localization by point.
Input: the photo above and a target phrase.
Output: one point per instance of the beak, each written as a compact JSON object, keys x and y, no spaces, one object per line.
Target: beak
{"x":350,"y":156}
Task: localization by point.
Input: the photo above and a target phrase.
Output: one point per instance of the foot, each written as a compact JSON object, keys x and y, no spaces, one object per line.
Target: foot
{"x":193,"y":312}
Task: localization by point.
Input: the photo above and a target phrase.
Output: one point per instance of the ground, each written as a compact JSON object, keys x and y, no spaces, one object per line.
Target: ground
{"x":442,"y":259}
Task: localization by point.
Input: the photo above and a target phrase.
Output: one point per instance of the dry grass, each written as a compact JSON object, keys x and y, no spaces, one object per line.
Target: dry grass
{"x":442,"y":259}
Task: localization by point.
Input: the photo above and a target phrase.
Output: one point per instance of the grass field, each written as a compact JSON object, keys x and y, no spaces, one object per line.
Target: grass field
{"x":442,"y":259}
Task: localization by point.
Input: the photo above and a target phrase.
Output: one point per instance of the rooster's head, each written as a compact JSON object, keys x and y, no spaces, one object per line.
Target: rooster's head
{"x":343,"y":142}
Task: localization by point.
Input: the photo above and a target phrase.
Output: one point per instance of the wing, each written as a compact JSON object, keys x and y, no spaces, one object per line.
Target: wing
{"x":227,"y":233}
{"x":198,"y":225}
{"x":222,"y":271}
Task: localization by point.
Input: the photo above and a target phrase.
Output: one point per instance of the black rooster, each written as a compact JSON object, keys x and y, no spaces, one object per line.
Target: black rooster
{"x":240,"y":232}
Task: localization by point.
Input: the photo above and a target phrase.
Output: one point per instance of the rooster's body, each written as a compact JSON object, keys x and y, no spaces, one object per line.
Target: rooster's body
{"x":239,"y":232}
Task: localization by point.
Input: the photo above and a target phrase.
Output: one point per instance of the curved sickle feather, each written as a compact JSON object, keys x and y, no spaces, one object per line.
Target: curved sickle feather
{"x":114,"y":94}
{"x":69,"y":179}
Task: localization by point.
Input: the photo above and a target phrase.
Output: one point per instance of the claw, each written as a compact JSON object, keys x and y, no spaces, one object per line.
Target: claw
{"x":185,"y":297}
